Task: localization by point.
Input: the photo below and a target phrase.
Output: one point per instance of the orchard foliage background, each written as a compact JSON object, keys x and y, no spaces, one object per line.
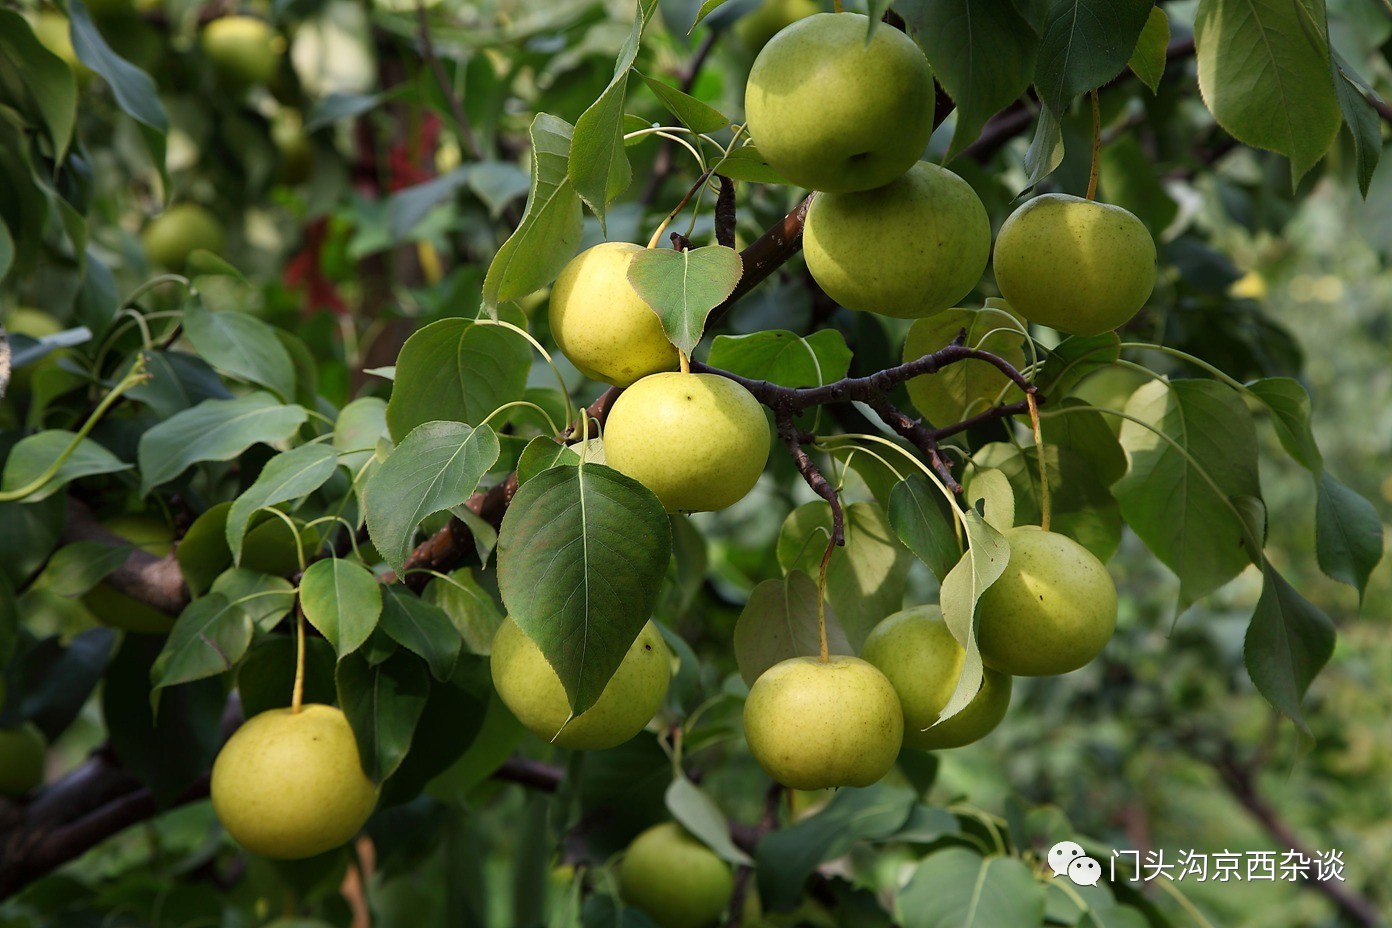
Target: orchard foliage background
{"x":394,"y":194}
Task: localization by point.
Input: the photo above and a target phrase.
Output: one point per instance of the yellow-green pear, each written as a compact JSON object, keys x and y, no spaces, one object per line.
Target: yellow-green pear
{"x":22,"y":752}
{"x":815,"y":725}
{"x":530,"y":687}
{"x":1110,"y":388}
{"x":601,"y":323}
{"x":911,"y":248}
{"x":675,"y":879}
{"x":1053,"y":609}
{"x":244,"y":49}
{"x":698,"y":441}
{"x":116,"y":609}
{"x":755,"y":28}
{"x":179,"y":231}
{"x":290,"y":784}
{"x":915,"y":650}
{"x":1076,"y":265}
{"x":830,"y":112}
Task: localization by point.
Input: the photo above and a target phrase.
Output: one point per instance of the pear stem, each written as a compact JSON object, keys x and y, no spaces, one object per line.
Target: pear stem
{"x":821,"y":600}
{"x":1096,"y":146}
{"x":1043,"y":470}
{"x":836,"y":7}
{"x":684,"y":361}
{"x":297,"y":695}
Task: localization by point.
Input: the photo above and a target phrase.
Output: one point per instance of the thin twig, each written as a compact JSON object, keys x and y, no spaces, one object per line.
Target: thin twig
{"x":456,"y":106}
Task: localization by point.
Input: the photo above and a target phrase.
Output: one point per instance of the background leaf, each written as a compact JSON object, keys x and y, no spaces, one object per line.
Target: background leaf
{"x":780,"y":622}
{"x":457,"y":370}
{"x":551,"y":227}
{"x":438,"y":466}
{"x":1085,"y":44}
{"x":214,"y":430}
{"x":1288,"y":640}
{"x":287,"y":476}
{"x":383,"y":703}
{"x":958,"y":888}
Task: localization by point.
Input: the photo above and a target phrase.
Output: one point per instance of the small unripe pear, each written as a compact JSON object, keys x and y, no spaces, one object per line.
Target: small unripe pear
{"x":675,"y":879}
{"x":244,"y":49}
{"x":915,"y":650}
{"x":290,"y":784}
{"x":1073,"y":264}
{"x":179,"y":231}
{"x":530,"y":687}
{"x":698,"y":441}
{"x":815,"y":725}
{"x":22,"y":752}
{"x":1053,"y":609}
{"x":601,"y":323}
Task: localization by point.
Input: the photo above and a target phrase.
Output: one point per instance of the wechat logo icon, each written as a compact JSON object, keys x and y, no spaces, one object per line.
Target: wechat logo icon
{"x":1067,"y":858}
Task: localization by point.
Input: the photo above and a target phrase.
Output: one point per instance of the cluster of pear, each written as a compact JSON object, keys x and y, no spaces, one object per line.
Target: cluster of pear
{"x":890,"y":234}
{"x":815,"y":724}
{"x":698,"y":441}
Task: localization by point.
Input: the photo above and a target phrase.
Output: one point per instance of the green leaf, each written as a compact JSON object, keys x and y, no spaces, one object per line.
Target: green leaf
{"x":598,"y":167}
{"x":1264,"y":73}
{"x":551,"y":226}
{"x":474,"y":611}
{"x":76,"y":568}
{"x":1288,"y":640}
{"x":784,"y":358}
{"x":459,"y":370}
{"x":707,"y":8}
{"x":438,"y":466}
{"x":982,"y":53}
{"x":422,"y":628}
{"x":1348,"y":534}
{"x":969,"y":386}
{"x":1365,"y":125}
{"x":1073,"y":359}
{"x":1290,"y":410}
{"x":866,"y":579}
{"x":682,"y":287}
{"x":264,"y":598}
{"x":1086,"y":432}
{"x":133,"y":89}
{"x":1149,"y":56}
{"x":210,"y":636}
{"x":343,"y":601}
{"x":1080,"y":504}
{"x":697,"y":812}
{"x":383,"y":703}
{"x":241,"y":346}
{"x":695,"y":115}
{"x":990,"y":493}
{"x":48,"y":85}
{"x":541,"y":454}
{"x":1129,"y":178}
{"x":958,"y":888}
{"x":788,"y":856}
{"x":1177,"y":492}
{"x":780,"y":622}
{"x":359,"y":426}
{"x":916,"y":511}
{"x":1045,"y":152}
{"x":1085,"y":44}
{"x":7,"y":249}
{"x":287,"y":476}
{"x":214,"y":430}
{"x":33,"y":455}
{"x":168,"y":753}
{"x":987,"y":555}
{"x":266,"y":677}
{"x":745,"y":163}
{"x":581,"y":556}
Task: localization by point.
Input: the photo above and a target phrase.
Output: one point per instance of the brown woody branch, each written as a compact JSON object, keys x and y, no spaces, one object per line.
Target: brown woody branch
{"x":1240,"y":780}
{"x":155,"y":581}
